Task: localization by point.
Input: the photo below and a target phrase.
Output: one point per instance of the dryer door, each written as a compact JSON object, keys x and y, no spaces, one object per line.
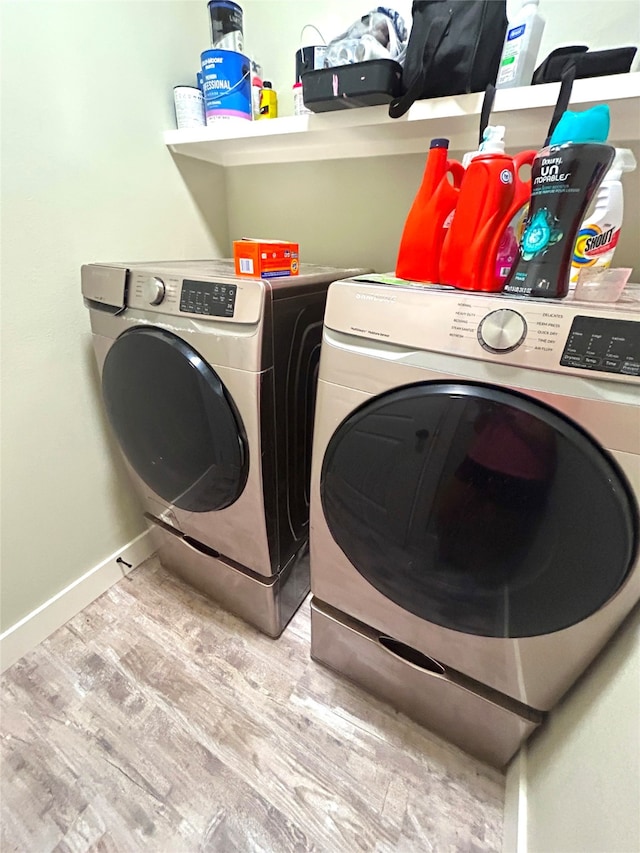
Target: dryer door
{"x":174,"y":420}
{"x":479,"y":509}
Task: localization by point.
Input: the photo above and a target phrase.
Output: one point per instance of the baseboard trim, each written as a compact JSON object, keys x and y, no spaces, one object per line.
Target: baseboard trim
{"x":515,"y":839}
{"x":44,"y":620}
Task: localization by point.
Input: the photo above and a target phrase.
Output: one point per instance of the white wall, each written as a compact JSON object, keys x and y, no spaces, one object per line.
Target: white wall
{"x":86,"y":94}
{"x":583,"y":770}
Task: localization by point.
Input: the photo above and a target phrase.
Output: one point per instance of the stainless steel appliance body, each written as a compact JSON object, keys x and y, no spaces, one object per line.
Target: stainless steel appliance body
{"x":209,"y":383}
{"x":474,"y":500}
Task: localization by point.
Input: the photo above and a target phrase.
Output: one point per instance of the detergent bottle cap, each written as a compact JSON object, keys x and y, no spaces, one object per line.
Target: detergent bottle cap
{"x":492,"y":143}
{"x":588,"y":126}
{"x":439,"y":142}
{"x":493,"y":139}
{"x":624,"y":161}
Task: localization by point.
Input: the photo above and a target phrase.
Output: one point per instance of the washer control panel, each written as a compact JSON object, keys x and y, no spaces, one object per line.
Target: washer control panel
{"x":209,"y":298}
{"x":562,"y":336}
{"x":603,"y":344}
{"x":502,"y":330}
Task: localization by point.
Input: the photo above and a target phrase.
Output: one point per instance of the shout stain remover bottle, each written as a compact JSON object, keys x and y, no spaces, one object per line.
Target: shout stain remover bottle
{"x":424,"y":230}
{"x":600,"y":232}
{"x":491,"y":194}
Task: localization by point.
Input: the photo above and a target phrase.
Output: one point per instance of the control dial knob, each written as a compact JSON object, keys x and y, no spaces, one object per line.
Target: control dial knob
{"x":502,"y":330}
{"x":154,"y":291}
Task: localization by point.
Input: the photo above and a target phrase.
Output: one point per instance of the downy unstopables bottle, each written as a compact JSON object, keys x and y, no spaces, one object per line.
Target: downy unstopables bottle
{"x":564,"y":178}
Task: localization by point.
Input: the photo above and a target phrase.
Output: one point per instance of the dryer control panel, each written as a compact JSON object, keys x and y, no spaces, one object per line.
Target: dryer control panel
{"x":213,"y":299}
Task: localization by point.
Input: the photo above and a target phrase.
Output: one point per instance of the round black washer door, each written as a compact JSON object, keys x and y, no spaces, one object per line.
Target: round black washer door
{"x":175,"y":421}
{"x":479,"y":509}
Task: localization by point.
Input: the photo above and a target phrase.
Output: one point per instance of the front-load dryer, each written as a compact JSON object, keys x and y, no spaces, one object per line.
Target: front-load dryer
{"x":208,"y":381}
{"x":474,"y":500}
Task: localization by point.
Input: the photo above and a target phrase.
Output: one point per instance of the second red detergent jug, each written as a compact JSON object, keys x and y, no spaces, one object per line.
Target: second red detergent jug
{"x":491,"y":194}
{"x":424,"y":229}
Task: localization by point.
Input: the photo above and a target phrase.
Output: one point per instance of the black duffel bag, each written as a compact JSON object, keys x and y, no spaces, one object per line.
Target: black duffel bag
{"x":454,"y":47}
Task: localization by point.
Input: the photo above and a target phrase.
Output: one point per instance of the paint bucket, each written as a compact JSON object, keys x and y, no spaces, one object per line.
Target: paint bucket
{"x":226,"y":25}
{"x":189,"y":105}
{"x":226,"y":85}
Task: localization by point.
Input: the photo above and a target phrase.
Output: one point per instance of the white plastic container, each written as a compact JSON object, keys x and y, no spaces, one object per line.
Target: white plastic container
{"x":602,"y":285}
{"x":521,"y":46}
{"x":598,"y":237}
{"x":299,"y":108}
{"x":189,"y":104}
{"x":256,"y":86}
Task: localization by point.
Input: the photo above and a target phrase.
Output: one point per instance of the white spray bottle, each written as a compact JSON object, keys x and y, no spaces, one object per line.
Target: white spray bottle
{"x":599,"y":234}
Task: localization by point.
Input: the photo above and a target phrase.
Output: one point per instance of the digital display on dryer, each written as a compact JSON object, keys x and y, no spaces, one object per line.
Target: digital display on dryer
{"x":604,"y":345}
{"x":212,"y":299}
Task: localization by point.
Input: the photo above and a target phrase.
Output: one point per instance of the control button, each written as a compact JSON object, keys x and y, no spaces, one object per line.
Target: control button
{"x":154,"y":291}
{"x":611,"y":363}
{"x":502,"y":331}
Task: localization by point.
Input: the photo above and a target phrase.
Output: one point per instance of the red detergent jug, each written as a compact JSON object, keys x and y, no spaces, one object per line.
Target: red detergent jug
{"x":491,"y":194}
{"x":424,"y":231}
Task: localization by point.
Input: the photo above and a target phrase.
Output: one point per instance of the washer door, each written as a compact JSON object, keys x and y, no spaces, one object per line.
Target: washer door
{"x":479,"y":509}
{"x":174,"y":420}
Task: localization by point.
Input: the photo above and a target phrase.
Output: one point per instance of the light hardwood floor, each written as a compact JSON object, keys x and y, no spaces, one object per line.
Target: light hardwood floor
{"x":156,"y":721}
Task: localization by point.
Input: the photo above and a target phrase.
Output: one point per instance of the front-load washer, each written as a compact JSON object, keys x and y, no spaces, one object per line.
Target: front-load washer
{"x":208,"y":381}
{"x":474,"y":500}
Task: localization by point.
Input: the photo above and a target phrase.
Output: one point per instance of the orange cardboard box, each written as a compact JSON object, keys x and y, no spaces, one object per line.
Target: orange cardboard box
{"x":265,"y":258}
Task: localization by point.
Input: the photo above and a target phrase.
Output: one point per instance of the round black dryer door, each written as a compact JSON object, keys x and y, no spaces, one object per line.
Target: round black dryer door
{"x":479,"y":509}
{"x":174,"y":420}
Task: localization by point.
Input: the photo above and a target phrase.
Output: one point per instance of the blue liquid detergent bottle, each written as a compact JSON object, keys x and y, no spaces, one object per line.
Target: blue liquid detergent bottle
{"x":564,"y":178}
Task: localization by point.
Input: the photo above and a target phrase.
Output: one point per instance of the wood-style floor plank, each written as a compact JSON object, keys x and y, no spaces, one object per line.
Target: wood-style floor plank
{"x":156,"y":721}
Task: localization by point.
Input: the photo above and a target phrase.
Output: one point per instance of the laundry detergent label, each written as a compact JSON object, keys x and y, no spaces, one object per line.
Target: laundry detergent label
{"x":551,"y":177}
{"x":542,"y":231}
